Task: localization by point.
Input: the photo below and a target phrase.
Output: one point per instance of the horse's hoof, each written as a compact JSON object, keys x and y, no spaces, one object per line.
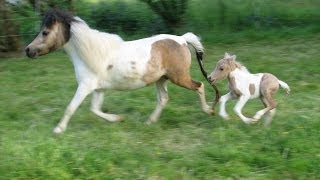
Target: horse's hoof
{"x":120,"y":118}
{"x":58,"y":130}
{"x":224,"y":117}
{"x":149,"y":122}
{"x":254,"y":120}
{"x":210,"y":112}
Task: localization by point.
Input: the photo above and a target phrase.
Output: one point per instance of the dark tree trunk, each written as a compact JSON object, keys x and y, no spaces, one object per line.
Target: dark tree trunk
{"x":9,"y":33}
{"x":171,"y":11}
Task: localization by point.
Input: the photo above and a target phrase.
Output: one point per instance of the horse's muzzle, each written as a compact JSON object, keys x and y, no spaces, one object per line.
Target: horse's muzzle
{"x":31,"y":53}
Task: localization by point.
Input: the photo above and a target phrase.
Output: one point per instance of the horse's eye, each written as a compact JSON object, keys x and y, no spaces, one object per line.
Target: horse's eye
{"x":221,"y":69}
{"x":45,"y":33}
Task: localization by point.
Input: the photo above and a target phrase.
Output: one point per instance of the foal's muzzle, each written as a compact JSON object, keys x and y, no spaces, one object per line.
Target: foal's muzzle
{"x":211,"y":80}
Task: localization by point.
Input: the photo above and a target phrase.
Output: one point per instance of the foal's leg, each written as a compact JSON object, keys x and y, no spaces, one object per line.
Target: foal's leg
{"x":271,"y":104}
{"x":238,"y":108}
{"x":223,"y":101}
{"x":96,"y":103}
{"x":269,"y":117}
{"x":269,"y":85}
{"x":77,"y":99}
{"x":162,"y":95}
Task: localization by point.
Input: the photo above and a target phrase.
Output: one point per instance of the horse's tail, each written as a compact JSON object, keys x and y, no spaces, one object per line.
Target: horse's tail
{"x":284,"y":86}
{"x":194,"y":41}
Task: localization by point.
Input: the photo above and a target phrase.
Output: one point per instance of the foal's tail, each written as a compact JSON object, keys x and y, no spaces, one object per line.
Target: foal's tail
{"x":284,"y":86}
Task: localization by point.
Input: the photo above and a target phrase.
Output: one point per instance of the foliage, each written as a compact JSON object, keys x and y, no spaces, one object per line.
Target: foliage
{"x":184,"y":144}
{"x":128,"y":18}
{"x":255,"y":19}
{"x":171,"y":11}
{"x":240,"y":15}
{"x":7,"y":43}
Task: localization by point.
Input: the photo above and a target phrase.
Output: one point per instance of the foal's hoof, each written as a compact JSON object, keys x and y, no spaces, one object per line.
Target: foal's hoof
{"x":226,"y":118}
{"x":248,"y":121}
{"x":120,"y":118}
{"x":58,"y":130}
{"x":254,"y":120}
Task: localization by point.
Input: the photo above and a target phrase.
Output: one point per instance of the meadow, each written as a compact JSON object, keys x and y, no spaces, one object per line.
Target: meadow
{"x":184,"y":144}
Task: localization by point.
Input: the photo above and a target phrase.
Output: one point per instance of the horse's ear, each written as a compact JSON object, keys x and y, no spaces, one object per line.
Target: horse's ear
{"x":233,"y":57}
{"x":226,"y":55}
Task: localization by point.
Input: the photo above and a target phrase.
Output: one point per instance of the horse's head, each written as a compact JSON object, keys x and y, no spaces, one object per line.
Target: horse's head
{"x":223,"y":68}
{"x":54,"y":33}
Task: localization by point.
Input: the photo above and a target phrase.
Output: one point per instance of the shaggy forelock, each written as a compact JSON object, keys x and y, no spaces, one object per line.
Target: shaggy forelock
{"x":55,"y":15}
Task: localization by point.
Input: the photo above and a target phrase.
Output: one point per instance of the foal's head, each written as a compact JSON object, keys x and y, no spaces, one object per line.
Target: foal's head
{"x":223,"y":68}
{"x":54,"y":33}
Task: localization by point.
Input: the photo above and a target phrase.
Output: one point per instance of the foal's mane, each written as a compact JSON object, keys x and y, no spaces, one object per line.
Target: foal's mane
{"x":238,"y":65}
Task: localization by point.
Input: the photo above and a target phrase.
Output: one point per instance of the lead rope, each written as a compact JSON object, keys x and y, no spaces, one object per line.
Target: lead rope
{"x":199,"y":58}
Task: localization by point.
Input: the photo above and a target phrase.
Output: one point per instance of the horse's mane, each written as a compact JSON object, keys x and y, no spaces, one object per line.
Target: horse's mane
{"x":55,"y":15}
{"x":92,"y":46}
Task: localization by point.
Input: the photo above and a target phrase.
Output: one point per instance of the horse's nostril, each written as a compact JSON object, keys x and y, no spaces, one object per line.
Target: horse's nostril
{"x":27,"y":49}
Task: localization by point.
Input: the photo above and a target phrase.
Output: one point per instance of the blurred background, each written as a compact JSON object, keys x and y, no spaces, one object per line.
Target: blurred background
{"x":277,"y":36}
{"x":218,"y":20}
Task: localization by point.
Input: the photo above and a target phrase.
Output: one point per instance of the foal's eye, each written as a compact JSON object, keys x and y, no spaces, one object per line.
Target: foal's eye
{"x":45,"y":33}
{"x":221,"y":69}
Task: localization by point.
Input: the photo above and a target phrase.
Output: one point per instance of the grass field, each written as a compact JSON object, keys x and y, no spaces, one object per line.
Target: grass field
{"x":184,"y":144}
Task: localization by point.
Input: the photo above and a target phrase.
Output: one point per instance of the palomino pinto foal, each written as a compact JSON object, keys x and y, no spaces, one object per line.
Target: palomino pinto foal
{"x":104,"y":61}
{"x":244,"y":86}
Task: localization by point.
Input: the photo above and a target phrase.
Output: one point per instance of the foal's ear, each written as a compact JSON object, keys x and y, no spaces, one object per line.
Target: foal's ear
{"x":233,"y":57}
{"x":226,"y":55}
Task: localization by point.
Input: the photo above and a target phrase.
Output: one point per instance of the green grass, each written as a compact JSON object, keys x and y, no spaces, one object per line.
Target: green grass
{"x":184,"y":144}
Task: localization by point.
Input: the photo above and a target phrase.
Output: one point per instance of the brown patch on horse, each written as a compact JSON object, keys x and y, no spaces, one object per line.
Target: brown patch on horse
{"x":233,"y":86}
{"x":133,"y":64}
{"x":173,"y":60}
{"x":269,"y":85}
{"x":110,"y":67}
{"x":252,"y":89}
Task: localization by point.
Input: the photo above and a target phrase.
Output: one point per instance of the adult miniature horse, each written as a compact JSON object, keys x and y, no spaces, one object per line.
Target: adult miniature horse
{"x":104,"y":61}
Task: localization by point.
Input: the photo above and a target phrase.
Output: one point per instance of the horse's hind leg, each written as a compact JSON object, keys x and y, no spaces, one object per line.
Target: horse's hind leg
{"x":96,"y":103}
{"x":270,"y":105}
{"x":162,"y":95}
{"x":269,"y":85}
{"x":188,"y":83}
{"x":269,"y":116}
{"x":77,"y":99}
{"x":205,"y":107}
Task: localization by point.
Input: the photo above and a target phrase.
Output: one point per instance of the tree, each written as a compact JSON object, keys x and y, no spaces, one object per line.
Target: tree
{"x":9,"y":38}
{"x":171,"y":11}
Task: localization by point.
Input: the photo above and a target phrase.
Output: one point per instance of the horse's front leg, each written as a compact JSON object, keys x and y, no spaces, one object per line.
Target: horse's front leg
{"x":96,"y":103}
{"x":81,"y":93}
{"x":238,"y":108}
{"x":222,"y":112}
